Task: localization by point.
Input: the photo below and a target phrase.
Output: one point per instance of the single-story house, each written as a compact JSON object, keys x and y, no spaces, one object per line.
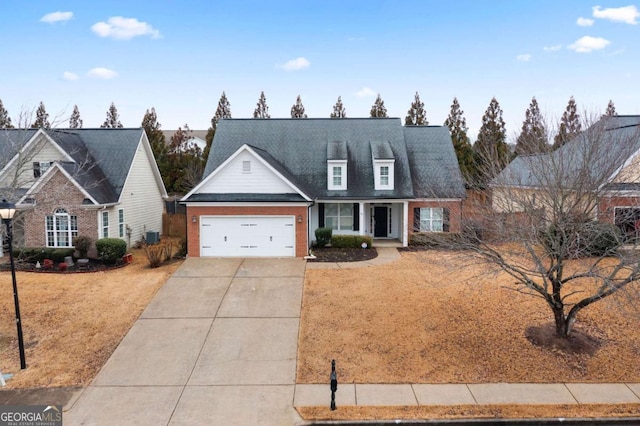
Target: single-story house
{"x":270,"y":183}
{"x":604,"y":159}
{"x":68,"y":182}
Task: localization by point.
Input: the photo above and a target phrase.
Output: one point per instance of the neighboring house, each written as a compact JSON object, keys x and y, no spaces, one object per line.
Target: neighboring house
{"x":69,"y":182}
{"x":196,"y":137}
{"x":605,"y":158}
{"x":270,"y":183}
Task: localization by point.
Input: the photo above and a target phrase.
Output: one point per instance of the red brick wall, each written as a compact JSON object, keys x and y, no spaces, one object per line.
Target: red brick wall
{"x":606,"y":207}
{"x":58,"y":192}
{"x":193,"y":237}
{"x":455,"y":213}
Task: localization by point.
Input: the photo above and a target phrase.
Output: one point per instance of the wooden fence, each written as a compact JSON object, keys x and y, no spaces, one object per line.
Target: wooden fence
{"x":174,"y":225}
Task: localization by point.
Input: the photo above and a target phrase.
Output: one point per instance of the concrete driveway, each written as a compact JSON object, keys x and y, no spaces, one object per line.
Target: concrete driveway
{"x":216,"y":345}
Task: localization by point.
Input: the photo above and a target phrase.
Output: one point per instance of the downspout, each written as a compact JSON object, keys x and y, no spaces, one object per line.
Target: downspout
{"x":309,"y":255}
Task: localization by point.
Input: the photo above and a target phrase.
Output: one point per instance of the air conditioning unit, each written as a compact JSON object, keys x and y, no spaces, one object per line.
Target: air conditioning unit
{"x":153,"y":237}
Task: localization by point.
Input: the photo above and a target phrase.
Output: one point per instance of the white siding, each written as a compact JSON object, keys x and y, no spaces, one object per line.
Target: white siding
{"x":41,"y":151}
{"x":232,"y":178}
{"x":141,"y":198}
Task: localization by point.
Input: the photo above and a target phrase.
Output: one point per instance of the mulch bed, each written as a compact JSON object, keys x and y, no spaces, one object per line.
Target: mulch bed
{"x":94,"y":265}
{"x":330,"y":254}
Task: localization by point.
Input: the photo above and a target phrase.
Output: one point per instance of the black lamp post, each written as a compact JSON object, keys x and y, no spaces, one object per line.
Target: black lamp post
{"x":7,"y":210}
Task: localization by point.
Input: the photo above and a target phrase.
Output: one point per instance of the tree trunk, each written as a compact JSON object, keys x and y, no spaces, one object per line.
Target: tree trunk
{"x":563,"y":327}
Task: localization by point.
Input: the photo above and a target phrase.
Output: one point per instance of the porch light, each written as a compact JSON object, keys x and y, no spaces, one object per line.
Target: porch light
{"x":299,"y":218}
{"x":194,"y":219}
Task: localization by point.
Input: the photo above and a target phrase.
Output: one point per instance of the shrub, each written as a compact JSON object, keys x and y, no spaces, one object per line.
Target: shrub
{"x":351,"y":241}
{"x":33,"y":254}
{"x":182,"y":248}
{"x":58,"y":255}
{"x":582,"y":239}
{"x":439,"y":240}
{"x":111,"y":250}
{"x":158,"y":253}
{"x":323,"y":236}
{"x":47,"y":264}
{"x":82,"y":243}
{"x":62,"y":266}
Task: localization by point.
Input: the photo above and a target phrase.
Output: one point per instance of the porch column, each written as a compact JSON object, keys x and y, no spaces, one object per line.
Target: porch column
{"x":361,"y":218}
{"x":405,"y":224}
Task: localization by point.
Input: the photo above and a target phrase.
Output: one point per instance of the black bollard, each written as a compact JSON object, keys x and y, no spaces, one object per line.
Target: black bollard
{"x":334,"y":384}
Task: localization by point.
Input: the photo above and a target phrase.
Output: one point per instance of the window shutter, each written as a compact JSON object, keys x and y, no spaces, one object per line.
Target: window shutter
{"x":416,"y":219}
{"x":321,"y":215}
{"x":356,"y":216}
{"x":445,"y":219}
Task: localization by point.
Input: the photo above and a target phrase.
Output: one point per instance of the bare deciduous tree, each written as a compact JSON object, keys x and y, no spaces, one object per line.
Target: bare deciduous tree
{"x":553,"y":224}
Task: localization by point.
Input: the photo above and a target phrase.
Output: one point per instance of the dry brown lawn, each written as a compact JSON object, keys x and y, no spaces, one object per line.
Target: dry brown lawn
{"x":427,"y":319}
{"x":72,"y":322}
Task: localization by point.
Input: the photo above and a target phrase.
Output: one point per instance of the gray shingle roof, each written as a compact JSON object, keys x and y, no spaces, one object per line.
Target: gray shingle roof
{"x":433,"y":162}
{"x":103,"y":157}
{"x":302,"y":147}
{"x":605,"y":145}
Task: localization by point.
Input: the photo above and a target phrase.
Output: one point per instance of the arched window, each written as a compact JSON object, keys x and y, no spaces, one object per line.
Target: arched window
{"x":61,"y":228}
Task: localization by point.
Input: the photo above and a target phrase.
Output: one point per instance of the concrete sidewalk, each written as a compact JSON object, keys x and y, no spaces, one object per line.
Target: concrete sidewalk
{"x":216,"y":345}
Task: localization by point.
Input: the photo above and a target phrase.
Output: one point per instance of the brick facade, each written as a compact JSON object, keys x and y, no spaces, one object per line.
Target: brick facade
{"x":57,"y":193}
{"x":193,"y":229}
{"x":607,"y":205}
{"x":455,"y":213}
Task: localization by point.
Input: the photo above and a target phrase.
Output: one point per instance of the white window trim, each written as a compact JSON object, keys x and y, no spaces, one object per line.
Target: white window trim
{"x":342,"y":164}
{"x":104,"y":227}
{"x":71,"y":231}
{"x":377,"y":167}
{"x":339,"y":216}
{"x":431,"y":220}
{"x":42,"y":167}
{"x":121,"y":229}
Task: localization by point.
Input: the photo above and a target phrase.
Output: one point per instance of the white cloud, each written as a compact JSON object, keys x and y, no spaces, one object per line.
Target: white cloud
{"x":524,"y":58}
{"x":553,"y":48}
{"x":54,"y":17}
{"x":365,"y":93}
{"x":103,"y":73}
{"x":626,"y":14}
{"x":69,"y":76}
{"x":588,"y":44}
{"x":584,"y":22}
{"x":296,"y":64}
{"x":124,"y":28}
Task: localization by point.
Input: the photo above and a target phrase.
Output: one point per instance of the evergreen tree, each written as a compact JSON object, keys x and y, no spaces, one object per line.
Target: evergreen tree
{"x":223,"y":111}
{"x":491,"y":152}
{"x":112,"y":121}
{"x":533,"y":137}
{"x":42,"y":118}
{"x":5,"y":120}
{"x":378,"y":109}
{"x":416,"y":116}
{"x":75,"y":122}
{"x":611,"y":110}
{"x":154,"y":134}
{"x":186,"y":162}
{"x":338,"y":110}
{"x":262,"y":110}
{"x":569,"y":125}
{"x":457,"y":125}
{"x":297,"y":110}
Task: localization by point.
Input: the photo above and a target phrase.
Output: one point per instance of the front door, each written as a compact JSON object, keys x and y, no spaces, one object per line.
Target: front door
{"x":381,"y":218}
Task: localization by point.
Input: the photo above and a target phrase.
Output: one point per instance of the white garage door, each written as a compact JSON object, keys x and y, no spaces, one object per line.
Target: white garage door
{"x":247,"y":236}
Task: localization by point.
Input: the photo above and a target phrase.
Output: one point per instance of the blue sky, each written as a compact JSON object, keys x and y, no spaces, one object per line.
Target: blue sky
{"x":179,"y":56}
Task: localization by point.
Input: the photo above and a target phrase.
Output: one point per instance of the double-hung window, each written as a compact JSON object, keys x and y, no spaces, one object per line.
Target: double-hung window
{"x":105,"y":224}
{"x":431,"y":219}
{"x":339,"y":217}
{"x":121,"y":223}
{"x":336,"y":175}
{"x":61,"y":228}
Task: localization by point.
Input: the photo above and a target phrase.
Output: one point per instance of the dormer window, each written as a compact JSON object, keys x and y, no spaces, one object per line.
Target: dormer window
{"x":383,"y":162}
{"x":336,"y":165}
{"x":337,"y":175}
{"x":383,"y":174}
